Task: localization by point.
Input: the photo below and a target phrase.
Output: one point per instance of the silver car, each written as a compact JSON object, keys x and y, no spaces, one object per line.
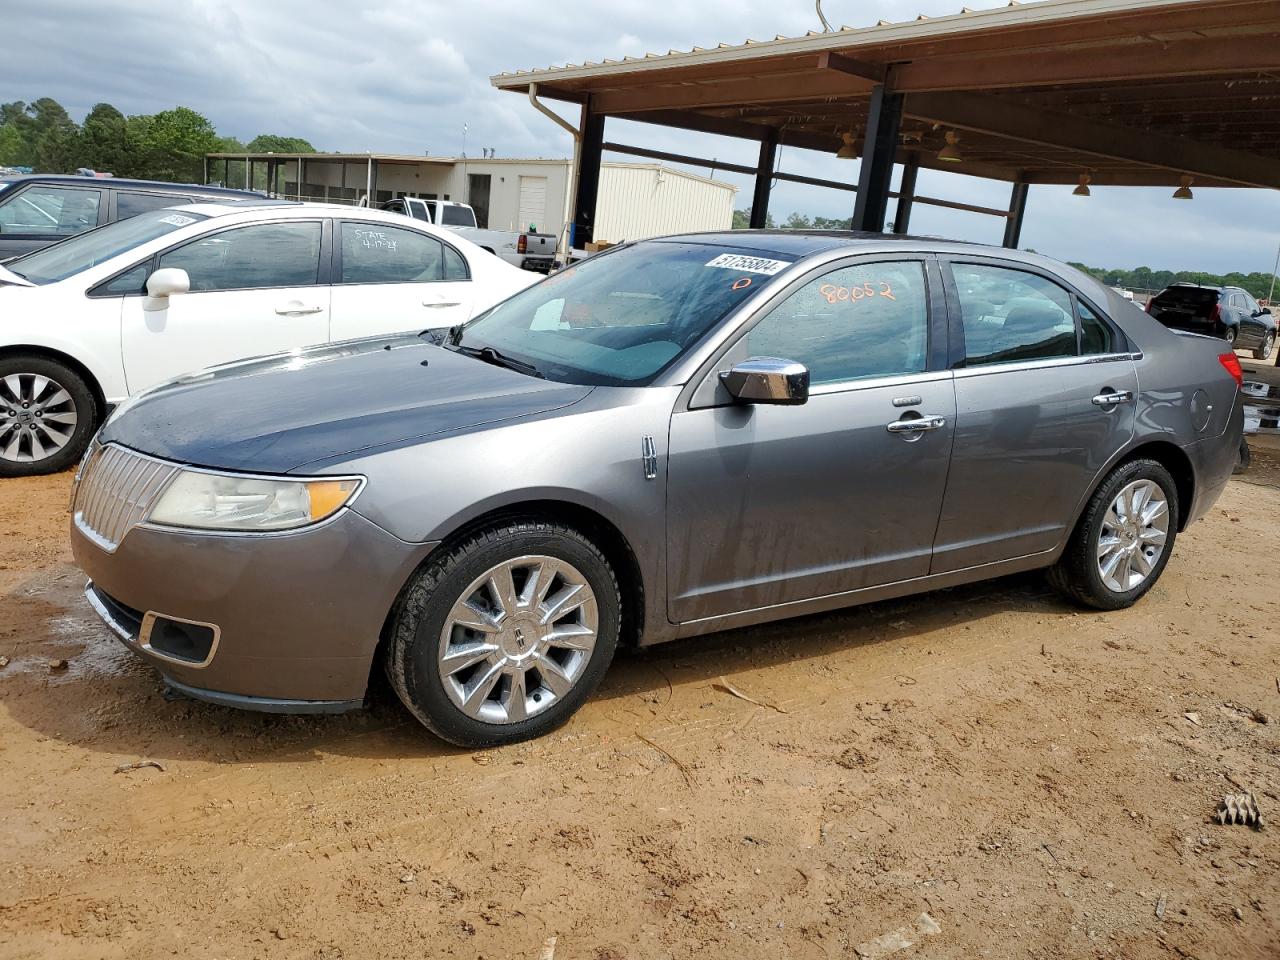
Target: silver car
{"x":671,"y":438}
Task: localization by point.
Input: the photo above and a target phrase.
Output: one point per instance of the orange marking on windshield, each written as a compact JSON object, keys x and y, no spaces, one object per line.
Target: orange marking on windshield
{"x":836,"y":294}
{"x":741,"y":283}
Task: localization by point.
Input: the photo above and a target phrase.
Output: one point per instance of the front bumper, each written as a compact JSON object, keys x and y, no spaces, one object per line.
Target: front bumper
{"x":295,"y":617}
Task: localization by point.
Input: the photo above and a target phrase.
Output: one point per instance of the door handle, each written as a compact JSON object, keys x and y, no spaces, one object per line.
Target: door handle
{"x":1111,"y":399}
{"x":437,"y":304}
{"x":290,"y":310}
{"x":917,"y":425}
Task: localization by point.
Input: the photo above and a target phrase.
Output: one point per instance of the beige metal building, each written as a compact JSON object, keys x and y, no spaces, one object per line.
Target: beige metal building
{"x":637,"y":200}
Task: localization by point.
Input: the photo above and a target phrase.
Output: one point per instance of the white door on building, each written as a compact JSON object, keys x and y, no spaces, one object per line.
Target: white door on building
{"x":533,"y":203}
{"x":394,"y":279}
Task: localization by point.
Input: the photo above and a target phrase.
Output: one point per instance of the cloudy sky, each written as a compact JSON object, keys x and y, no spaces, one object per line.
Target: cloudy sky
{"x":404,"y":76}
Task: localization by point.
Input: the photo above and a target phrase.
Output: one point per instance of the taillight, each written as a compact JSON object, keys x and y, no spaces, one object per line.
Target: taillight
{"x":1231,"y":363}
{"x":1216,"y":316}
{"x":522,"y":244}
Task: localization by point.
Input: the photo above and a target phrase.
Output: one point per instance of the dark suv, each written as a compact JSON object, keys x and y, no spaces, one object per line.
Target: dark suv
{"x":1226,"y":312}
{"x":41,"y":209}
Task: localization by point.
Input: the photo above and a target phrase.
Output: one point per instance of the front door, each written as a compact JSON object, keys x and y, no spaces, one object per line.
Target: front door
{"x":255,"y":290}
{"x":771,"y":505}
{"x":1045,"y":397}
{"x":393,"y":279}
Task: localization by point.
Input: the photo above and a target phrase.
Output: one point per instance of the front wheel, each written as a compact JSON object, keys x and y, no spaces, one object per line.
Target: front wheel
{"x":1268,"y":344}
{"x":504,"y":636}
{"x":1124,"y":540}
{"x":47,"y":416}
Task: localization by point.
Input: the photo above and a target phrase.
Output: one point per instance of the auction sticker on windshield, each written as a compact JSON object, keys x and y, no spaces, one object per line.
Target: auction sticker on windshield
{"x":744,"y":264}
{"x":178,"y":220}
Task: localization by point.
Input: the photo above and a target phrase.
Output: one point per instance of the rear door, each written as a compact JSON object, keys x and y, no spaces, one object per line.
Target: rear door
{"x":255,"y":290}
{"x":770,"y":505}
{"x":38,"y":214}
{"x":390,"y":279}
{"x":1045,"y":396}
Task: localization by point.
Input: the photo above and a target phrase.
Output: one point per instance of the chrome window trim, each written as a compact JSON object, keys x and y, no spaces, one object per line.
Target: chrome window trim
{"x":873,"y":383}
{"x":1048,"y":363}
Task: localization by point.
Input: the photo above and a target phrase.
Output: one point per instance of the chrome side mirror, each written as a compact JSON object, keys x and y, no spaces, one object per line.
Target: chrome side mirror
{"x":163,"y":284}
{"x":768,"y":380}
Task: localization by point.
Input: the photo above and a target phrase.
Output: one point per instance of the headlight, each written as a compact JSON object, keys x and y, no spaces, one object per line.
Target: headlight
{"x":210,"y":501}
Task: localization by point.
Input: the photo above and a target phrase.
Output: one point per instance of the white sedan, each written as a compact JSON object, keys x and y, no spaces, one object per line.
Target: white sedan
{"x":90,"y":321}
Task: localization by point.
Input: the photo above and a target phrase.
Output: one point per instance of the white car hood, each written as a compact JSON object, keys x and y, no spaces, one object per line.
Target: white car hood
{"x":8,"y":276}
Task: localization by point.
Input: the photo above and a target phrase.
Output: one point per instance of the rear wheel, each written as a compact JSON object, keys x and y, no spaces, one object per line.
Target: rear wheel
{"x":1123,"y":542}
{"x":1268,"y":344}
{"x":47,"y":416}
{"x":1229,"y":334}
{"x":504,"y":636}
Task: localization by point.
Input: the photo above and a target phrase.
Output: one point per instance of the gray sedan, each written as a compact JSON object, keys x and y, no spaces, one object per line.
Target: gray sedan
{"x":671,"y":438}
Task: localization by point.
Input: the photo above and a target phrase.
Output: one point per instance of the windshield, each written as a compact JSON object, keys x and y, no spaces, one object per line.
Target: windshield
{"x":86,"y":250}
{"x":621,"y":318}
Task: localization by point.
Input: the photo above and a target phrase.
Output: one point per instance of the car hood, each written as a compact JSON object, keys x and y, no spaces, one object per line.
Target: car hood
{"x":278,"y":414}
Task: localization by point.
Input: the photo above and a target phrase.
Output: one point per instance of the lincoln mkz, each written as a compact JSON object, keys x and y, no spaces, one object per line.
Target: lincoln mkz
{"x":670,"y":438}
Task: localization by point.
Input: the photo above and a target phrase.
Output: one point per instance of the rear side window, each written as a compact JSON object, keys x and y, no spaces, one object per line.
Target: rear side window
{"x":50,"y":211}
{"x":457,"y":217}
{"x":378,"y":253}
{"x":262,"y":255}
{"x":1010,"y":316}
{"x":1096,"y":337}
{"x":131,"y":204}
{"x":455,"y":268}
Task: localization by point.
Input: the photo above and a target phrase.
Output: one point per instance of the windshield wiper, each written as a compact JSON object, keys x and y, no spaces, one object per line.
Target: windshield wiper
{"x":490,"y":355}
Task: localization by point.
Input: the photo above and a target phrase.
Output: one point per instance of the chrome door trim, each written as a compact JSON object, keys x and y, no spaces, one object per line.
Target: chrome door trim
{"x":1046,"y":364}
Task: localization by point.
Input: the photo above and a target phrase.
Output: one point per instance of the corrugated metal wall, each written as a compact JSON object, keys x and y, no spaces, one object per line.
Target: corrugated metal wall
{"x":641,"y":200}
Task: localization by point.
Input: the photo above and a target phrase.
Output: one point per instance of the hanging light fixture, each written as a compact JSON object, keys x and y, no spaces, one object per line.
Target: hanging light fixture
{"x":1083,"y":189}
{"x":851,"y":150}
{"x":951,"y":152}
{"x":1184,"y":191}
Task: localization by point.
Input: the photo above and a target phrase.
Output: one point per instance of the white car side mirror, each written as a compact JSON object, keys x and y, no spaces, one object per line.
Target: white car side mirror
{"x":163,"y":284}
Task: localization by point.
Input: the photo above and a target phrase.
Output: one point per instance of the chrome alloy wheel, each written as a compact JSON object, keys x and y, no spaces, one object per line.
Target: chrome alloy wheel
{"x":518,"y":639}
{"x":37,"y":417}
{"x":1134,"y":533}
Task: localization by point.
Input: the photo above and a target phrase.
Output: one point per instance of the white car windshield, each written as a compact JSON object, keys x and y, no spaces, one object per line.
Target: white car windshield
{"x":78,"y":253}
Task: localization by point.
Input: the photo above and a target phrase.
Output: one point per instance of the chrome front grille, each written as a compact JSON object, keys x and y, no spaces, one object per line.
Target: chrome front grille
{"x":116,"y":491}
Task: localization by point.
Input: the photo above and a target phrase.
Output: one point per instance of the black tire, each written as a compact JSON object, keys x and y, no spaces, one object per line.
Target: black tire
{"x":411,"y":657}
{"x":82,"y":402}
{"x":1243,"y":458}
{"x":1076,"y":573}
{"x":1268,"y":344}
{"x":1230,"y":334}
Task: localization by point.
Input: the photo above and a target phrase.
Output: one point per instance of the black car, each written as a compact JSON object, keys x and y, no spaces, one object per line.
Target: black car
{"x":1226,"y":312}
{"x":41,"y":209}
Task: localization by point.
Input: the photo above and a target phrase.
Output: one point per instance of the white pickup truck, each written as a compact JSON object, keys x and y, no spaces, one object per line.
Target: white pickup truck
{"x":529,"y":251}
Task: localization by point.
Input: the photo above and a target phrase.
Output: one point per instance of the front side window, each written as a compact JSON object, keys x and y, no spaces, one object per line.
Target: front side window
{"x":377,"y":253}
{"x":263,"y":255}
{"x":868,"y":320}
{"x":50,"y":211}
{"x":622,"y":317}
{"x":129,"y":283}
{"x":131,"y":204}
{"x":1010,"y":316}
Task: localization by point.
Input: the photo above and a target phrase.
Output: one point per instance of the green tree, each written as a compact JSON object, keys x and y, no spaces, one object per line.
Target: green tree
{"x":13,"y":148}
{"x":104,"y":141}
{"x":742,"y":220}
{"x":274,"y":143}
{"x":171,"y":145}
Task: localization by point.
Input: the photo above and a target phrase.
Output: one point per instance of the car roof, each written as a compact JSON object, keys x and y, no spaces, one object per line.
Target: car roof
{"x":283,"y":208}
{"x":156,"y":185}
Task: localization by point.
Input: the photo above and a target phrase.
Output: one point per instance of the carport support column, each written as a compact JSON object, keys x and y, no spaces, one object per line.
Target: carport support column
{"x":907,"y":194}
{"x":585,"y":198}
{"x":1017,"y":210}
{"x":764,"y":180}
{"x":880,"y":149}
